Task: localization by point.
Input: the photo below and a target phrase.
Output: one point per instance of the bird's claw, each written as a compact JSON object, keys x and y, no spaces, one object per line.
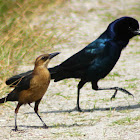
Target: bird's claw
{"x":131,"y":95}
{"x":123,"y":90}
{"x":114,"y":95}
{"x":126,"y":92}
{"x":45,"y":126}
{"x":15,"y":129}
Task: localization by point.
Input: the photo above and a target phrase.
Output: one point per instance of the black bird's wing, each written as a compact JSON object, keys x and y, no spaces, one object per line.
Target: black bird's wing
{"x":84,"y":57}
{"x":75,"y":66}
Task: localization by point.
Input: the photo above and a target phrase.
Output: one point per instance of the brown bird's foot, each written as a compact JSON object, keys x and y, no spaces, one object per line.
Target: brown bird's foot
{"x":45,"y":126}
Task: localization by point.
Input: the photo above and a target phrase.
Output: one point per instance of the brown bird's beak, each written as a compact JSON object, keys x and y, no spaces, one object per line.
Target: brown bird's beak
{"x":53,"y":55}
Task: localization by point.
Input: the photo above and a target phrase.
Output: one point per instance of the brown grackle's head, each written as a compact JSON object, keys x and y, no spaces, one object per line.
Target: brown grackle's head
{"x":44,"y":59}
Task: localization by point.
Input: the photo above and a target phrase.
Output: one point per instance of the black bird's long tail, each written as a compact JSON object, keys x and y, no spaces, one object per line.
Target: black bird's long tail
{"x":54,"y":72}
{"x":59,"y":73}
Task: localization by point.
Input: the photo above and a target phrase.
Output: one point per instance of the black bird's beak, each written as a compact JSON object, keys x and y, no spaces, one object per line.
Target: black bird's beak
{"x":137,"y":32}
{"x":53,"y":55}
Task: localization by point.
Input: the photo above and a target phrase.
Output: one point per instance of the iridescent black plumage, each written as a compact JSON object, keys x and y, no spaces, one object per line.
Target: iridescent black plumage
{"x":98,"y":58}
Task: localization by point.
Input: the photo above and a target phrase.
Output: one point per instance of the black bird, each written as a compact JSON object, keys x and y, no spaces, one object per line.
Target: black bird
{"x":97,"y":59}
{"x":31,"y":87}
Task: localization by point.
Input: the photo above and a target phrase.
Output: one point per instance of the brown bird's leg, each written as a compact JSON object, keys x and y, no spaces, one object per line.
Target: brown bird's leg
{"x":16,"y":111}
{"x":30,"y":105}
{"x":116,"y":89}
{"x":36,"y":111}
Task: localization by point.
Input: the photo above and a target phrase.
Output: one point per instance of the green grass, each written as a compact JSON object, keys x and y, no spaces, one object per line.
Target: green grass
{"x":131,"y":86}
{"x":125,"y":111}
{"x":132,"y":79}
{"x":59,"y":94}
{"x":114,"y":74}
{"x":71,"y":133}
{"x":126,"y":121}
{"x":105,"y":100}
{"x":21,"y":41}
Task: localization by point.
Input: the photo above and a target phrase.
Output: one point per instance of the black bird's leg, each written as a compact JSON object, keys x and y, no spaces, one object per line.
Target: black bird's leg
{"x":116,"y":89}
{"x":80,"y":85}
{"x":36,"y":111}
{"x":16,"y":111}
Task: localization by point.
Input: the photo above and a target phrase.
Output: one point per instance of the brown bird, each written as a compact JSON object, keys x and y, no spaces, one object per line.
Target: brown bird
{"x":32,"y":87}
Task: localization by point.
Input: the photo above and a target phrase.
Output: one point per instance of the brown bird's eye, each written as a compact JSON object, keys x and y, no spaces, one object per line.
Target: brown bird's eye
{"x":44,"y":58}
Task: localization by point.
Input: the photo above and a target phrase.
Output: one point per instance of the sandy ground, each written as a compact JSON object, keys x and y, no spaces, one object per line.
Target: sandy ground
{"x":101,"y":118}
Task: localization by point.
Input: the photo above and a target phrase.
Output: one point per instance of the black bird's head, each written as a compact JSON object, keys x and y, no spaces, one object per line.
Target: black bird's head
{"x":124,"y":28}
{"x":44,"y":59}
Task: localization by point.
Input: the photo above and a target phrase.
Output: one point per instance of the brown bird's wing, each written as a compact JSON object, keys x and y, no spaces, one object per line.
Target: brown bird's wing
{"x":21,"y":82}
{"x":16,"y":79}
{"x":24,"y":83}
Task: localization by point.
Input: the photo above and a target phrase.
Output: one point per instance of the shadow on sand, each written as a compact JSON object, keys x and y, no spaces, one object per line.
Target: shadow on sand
{"x":119,"y":108}
{"x":94,"y":109}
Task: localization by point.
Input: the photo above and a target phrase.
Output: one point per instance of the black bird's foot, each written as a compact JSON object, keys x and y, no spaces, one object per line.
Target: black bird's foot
{"x":114,"y":95}
{"x":45,"y":126}
{"x":77,"y":108}
{"x":121,"y":89}
{"x":15,"y":129}
{"x":127,"y":92}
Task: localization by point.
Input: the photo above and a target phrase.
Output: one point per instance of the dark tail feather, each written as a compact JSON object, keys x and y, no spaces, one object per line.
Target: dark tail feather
{"x":3,"y":100}
{"x":58,"y":73}
{"x":53,"y":72}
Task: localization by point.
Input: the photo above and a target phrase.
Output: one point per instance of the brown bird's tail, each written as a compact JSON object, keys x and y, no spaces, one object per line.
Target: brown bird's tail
{"x":3,"y":100}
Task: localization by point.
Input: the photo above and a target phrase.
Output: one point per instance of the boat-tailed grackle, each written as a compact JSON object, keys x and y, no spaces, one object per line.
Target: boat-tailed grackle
{"x":97,"y":59}
{"x":31,"y":87}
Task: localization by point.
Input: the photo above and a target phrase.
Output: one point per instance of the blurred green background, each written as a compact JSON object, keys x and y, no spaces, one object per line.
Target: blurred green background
{"x":22,"y":34}
{"x":19,"y":40}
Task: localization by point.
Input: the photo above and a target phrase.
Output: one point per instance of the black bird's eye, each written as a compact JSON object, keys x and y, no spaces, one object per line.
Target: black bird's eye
{"x":130,"y":28}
